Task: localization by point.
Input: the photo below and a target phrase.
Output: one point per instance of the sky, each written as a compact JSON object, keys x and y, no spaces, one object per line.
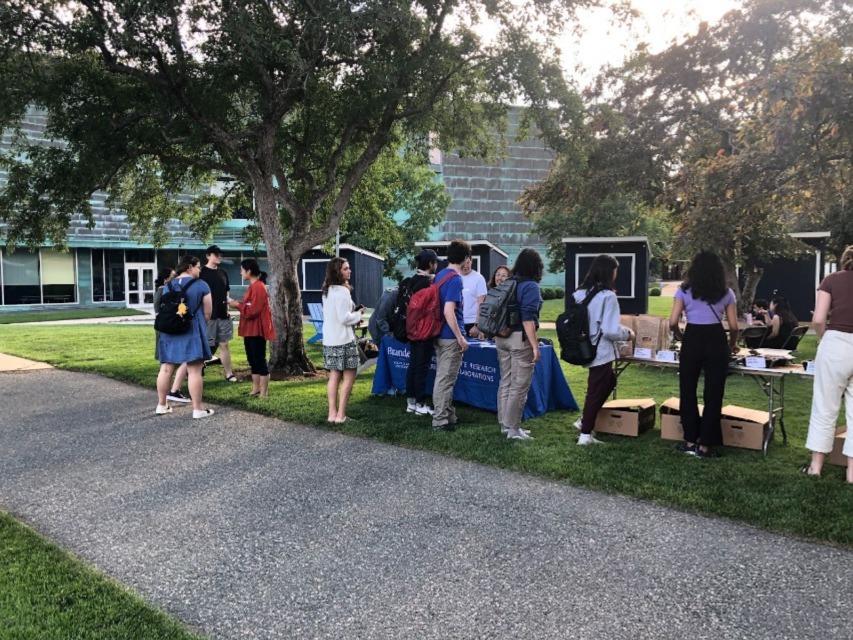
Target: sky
{"x":662,"y":21}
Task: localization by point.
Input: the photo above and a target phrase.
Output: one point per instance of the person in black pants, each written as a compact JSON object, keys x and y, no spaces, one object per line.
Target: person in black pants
{"x":704,"y":297}
{"x":420,"y":351}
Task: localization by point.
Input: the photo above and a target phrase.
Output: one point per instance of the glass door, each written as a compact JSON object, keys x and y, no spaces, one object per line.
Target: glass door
{"x":139,"y":284}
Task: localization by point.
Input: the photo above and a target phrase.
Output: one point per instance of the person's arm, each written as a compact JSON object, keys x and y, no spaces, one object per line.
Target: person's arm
{"x":253,"y":303}
{"x":450,"y":318}
{"x":821,"y":312}
{"x":529,"y":327}
{"x":675,"y":316}
{"x":610,"y":327}
{"x":731,"y":316}
{"x":775,"y":326}
{"x":383,"y":314}
{"x":207,"y":305}
{"x":343,"y":307}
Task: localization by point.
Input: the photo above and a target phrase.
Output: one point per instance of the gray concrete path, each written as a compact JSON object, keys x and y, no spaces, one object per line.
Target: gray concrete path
{"x":247,"y":527}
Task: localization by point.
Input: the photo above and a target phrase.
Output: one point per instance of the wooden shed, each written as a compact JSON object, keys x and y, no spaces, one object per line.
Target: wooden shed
{"x":632,"y":279}
{"x":366,"y":277}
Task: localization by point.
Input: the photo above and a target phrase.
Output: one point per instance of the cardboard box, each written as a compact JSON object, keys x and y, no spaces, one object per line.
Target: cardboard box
{"x":626,"y":417}
{"x":836,"y":456}
{"x":651,"y":332}
{"x":670,"y":420}
{"x":744,"y":428}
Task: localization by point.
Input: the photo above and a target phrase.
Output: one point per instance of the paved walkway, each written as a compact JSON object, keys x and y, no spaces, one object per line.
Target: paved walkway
{"x":248,"y":527}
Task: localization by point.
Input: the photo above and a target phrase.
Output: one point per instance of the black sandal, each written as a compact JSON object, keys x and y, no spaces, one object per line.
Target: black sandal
{"x":805,"y":471}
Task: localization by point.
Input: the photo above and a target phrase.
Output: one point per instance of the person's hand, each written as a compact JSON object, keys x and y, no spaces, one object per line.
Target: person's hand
{"x":631,"y":335}
{"x":233,"y":304}
{"x":536,"y":354}
{"x":463,"y":343}
{"x":734,"y":348}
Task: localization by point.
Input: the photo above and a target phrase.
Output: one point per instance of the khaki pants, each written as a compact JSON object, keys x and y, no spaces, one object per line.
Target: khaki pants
{"x":448,"y":357}
{"x":833,"y":380}
{"x":515,"y":357}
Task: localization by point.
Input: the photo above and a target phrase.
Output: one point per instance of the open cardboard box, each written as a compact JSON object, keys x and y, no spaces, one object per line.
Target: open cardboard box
{"x":626,"y":417}
{"x":670,"y":419}
{"x":650,"y":332}
{"x":744,"y":428}
{"x":836,"y":456}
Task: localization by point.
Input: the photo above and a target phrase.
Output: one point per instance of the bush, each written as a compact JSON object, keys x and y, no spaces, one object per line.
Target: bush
{"x":560,"y":293}
{"x":654,"y":291}
{"x":548,"y":293}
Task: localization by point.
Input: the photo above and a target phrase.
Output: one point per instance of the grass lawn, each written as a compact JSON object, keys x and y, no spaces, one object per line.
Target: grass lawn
{"x":45,"y":593}
{"x":743,"y":485}
{"x":17,"y":317}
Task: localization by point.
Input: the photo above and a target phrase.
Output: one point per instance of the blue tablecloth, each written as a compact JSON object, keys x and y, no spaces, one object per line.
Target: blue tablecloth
{"x":479,"y":377}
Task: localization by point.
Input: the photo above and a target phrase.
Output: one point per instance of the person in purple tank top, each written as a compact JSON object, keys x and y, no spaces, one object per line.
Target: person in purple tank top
{"x":705,"y":298}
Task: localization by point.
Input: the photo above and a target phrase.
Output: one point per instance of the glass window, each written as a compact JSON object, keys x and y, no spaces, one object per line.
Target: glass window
{"x":114,"y":260}
{"x":98,"y":285}
{"x":58,"y":276}
{"x":167,"y":258}
{"x":21,"y":278}
{"x":140,"y":255}
{"x":313,"y":273}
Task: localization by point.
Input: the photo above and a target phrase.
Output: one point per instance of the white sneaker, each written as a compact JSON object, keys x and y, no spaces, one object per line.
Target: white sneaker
{"x":518,"y":434}
{"x":202,"y":413}
{"x":506,"y":430}
{"x":411,"y":407}
{"x":162,"y":408}
{"x":587,"y":439}
{"x":391,"y":392}
{"x":423,"y":410}
{"x":577,"y":424}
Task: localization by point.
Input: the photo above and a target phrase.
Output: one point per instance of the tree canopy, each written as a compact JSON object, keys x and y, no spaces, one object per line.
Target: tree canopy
{"x":741,"y":131}
{"x":296,"y":99}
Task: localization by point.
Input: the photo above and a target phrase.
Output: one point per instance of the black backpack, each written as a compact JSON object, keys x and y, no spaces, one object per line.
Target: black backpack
{"x":500,"y":312}
{"x":397,"y":320}
{"x":576,"y":345}
{"x":174,"y":316}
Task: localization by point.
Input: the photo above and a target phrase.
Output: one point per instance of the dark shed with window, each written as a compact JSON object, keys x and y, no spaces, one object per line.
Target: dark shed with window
{"x":366,"y":277}
{"x":632,"y":279}
{"x":796,"y":279}
{"x":485,"y":256}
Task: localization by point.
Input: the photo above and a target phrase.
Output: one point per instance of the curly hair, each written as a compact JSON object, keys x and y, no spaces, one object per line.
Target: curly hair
{"x":600,"y":273}
{"x":492,"y":284}
{"x":528,"y":264}
{"x":334,"y":276}
{"x":458,"y":251}
{"x":706,"y":278}
{"x":846,"y":262}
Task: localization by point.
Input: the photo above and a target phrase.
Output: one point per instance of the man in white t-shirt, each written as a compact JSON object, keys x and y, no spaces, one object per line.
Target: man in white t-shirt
{"x":473,"y":293}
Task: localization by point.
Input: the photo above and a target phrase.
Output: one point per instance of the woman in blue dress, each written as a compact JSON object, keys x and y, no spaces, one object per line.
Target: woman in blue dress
{"x":190,"y":347}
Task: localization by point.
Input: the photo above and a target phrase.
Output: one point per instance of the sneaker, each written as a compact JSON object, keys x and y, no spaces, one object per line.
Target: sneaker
{"x":689,"y":449}
{"x":586,"y":439}
{"x":706,"y":454}
{"x":423,"y":410}
{"x":162,"y":408}
{"x":577,"y":424}
{"x":518,"y":434}
{"x":411,"y":406}
{"x":214,"y":360}
{"x":177,"y":396}
{"x":447,"y":426}
{"x":391,"y":392}
{"x":506,"y":430}
{"x":202,"y":413}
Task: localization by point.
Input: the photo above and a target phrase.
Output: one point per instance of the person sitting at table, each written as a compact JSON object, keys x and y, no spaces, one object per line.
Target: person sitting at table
{"x":782,"y":323}
{"x":760,"y":314}
{"x":833,"y":365}
{"x":704,"y":297}
{"x":604,"y":328}
{"x":519,"y":353}
{"x":420,"y":351}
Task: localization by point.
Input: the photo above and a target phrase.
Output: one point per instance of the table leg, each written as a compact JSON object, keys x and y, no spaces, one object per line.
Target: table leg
{"x":782,"y":410}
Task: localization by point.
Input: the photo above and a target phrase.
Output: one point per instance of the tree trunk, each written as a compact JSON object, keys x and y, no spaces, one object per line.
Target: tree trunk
{"x":752,"y":276}
{"x":287,"y":351}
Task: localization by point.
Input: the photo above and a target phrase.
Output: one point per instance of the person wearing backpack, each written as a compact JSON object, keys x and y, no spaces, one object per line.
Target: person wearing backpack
{"x":605,"y":330}
{"x":451,"y":343}
{"x":519,"y":352}
{"x":190,"y":346}
{"x":420,"y":351}
{"x":163,"y":277}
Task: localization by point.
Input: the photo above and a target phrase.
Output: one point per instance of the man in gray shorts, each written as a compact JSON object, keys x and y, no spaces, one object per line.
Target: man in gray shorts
{"x":220,"y":328}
